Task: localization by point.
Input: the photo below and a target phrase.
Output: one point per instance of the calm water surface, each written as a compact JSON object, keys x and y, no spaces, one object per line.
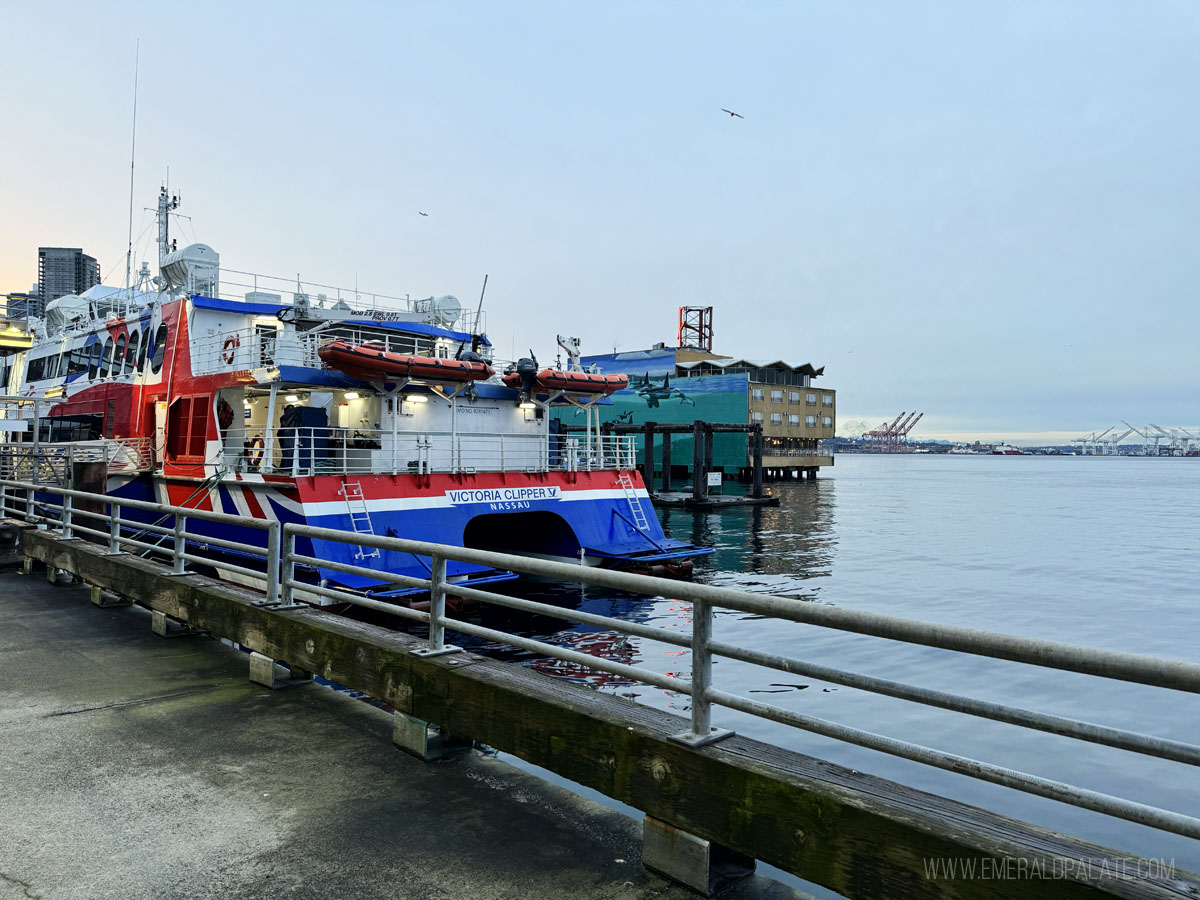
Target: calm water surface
{"x":1094,"y":551}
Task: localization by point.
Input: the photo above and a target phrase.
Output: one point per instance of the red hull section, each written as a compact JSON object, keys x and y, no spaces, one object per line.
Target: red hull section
{"x":573,"y":382}
{"x":371,"y":362}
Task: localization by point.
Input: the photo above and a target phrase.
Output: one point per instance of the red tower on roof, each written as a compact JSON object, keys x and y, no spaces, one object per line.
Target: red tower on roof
{"x":695,"y":328}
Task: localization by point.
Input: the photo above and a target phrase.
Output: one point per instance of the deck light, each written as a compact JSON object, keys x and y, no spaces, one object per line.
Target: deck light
{"x":416,"y":398}
{"x":292,"y":398}
{"x":527,"y":404}
{"x":351,"y":395}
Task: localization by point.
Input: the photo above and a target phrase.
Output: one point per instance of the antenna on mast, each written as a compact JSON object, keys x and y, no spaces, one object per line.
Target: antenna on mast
{"x":132,"y":157}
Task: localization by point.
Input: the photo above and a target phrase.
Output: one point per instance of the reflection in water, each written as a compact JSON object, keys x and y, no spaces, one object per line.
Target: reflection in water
{"x":781,"y":550}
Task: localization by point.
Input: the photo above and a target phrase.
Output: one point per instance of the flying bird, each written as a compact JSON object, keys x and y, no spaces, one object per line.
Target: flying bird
{"x":732,"y":113}
{"x":420,"y":213}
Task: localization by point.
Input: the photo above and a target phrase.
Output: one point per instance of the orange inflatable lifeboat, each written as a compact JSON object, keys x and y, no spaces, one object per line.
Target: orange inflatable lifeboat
{"x":373,"y":362}
{"x":573,"y":382}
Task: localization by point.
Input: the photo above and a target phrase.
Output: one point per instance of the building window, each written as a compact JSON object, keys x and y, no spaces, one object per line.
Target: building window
{"x":827,"y":400}
{"x":756,"y":416}
{"x":776,"y":418}
{"x":793,"y":396}
{"x":776,"y":396}
{"x":810,"y":399}
{"x":826,"y":421}
{"x":794,"y":420}
{"x":810,"y":420}
{"x":756,"y":394}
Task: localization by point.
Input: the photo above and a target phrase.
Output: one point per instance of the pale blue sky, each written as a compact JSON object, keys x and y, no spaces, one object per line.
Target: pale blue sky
{"x":987,"y":211}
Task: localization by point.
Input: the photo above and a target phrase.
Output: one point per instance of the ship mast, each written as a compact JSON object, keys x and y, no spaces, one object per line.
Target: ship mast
{"x":132,"y":158}
{"x":165,"y":205}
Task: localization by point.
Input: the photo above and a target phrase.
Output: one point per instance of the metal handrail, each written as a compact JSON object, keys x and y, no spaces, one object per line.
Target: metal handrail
{"x":282,"y":586}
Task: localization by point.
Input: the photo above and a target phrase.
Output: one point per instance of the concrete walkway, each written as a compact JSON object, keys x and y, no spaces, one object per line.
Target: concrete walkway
{"x":133,"y":766}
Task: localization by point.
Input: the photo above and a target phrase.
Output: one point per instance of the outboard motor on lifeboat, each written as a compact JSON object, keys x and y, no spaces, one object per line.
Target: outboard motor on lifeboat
{"x":527,"y":369}
{"x":471,"y":355}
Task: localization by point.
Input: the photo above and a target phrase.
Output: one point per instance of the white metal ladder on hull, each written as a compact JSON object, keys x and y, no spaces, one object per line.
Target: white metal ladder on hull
{"x":360,"y":517}
{"x":635,"y":503}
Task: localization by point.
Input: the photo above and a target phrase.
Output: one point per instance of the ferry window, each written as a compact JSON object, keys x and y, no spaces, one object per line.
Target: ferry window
{"x":94,"y":360}
{"x":58,"y":429}
{"x":131,"y":355}
{"x":119,"y":358}
{"x":106,"y":359}
{"x":37,"y":368}
{"x":160,"y":349}
{"x":77,"y":361}
{"x":51,"y":367}
{"x":143,"y":346}
{"x":187,"y":426}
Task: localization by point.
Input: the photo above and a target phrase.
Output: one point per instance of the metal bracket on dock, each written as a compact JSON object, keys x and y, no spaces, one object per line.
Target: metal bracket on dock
{"x":700,"y":740}
{"x":104,"y":599}
{"x":267,"y":672}
{"x":278,"y":605}
{"x":424,"y":740}
{"x":164,"y":626}
{"x":440,"y":651}
{"x":702,"y":865}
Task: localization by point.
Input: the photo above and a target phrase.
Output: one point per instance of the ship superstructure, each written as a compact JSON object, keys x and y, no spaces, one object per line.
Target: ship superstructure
{"x":197,"y":396}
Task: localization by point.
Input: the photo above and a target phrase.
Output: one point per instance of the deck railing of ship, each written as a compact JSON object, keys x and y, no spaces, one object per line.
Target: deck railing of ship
{"x":257,"y":347}
{"x":235,"y":284}
{"x":353,"y":451}
{"x":52,"y":463}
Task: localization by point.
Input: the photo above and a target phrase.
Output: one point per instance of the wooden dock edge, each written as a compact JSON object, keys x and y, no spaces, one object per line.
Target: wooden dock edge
{"x":856,"y":834}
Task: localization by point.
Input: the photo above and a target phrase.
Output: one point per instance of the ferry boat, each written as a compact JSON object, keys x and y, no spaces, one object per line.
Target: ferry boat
{"x":387,"y":417}
{"x":1008,"y":450}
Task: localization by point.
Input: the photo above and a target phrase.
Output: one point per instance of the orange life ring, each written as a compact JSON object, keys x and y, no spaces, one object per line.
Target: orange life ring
{"x":229,"y":351}
{"x":257,"y":448}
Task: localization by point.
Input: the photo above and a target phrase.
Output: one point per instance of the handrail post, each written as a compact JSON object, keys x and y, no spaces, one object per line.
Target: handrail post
{"x":437,"y":611}
{"x":29,"y":516}
{"x":701,"y":732}
{"x":273,"y":562}
{"x":114,"y":529}
{"x":66,"y":516}
{"x":177,"y":554}
{"x":288,"y":576}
